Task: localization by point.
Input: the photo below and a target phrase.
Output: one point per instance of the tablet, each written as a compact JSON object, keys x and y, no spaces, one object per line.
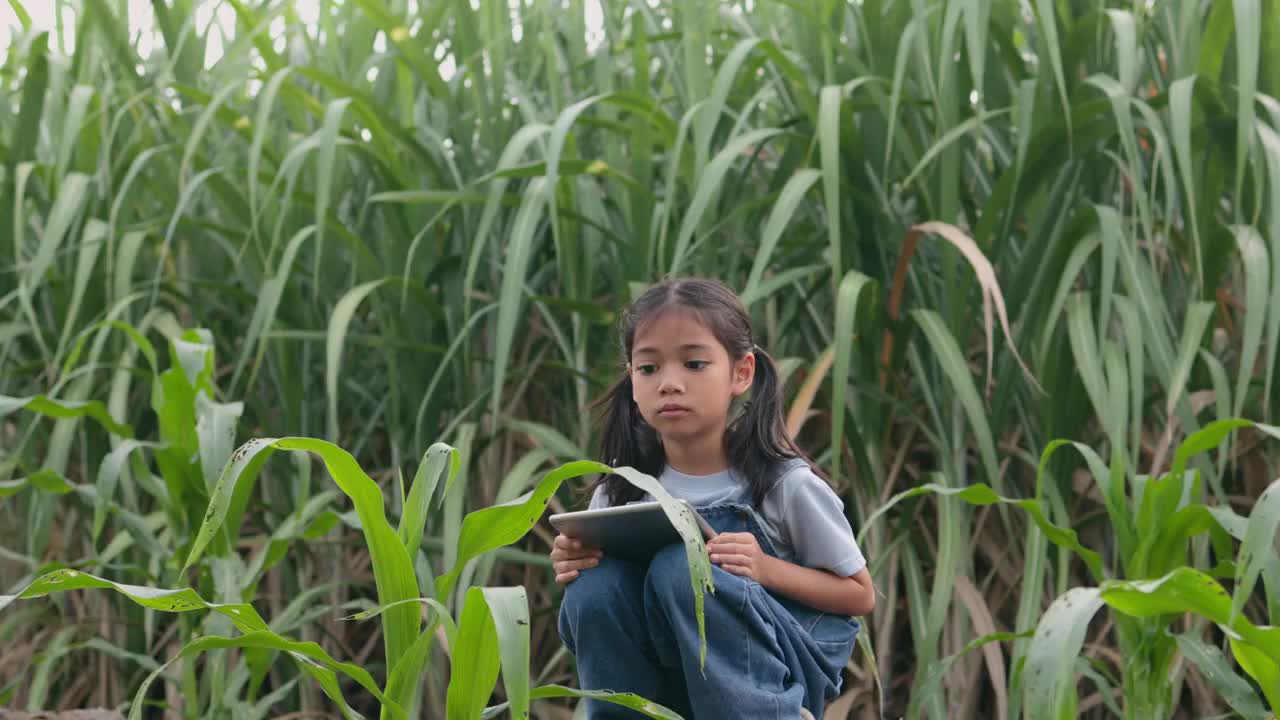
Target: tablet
{"x":633,"y":532}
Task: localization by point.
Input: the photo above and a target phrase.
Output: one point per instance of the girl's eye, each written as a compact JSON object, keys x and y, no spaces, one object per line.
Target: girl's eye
{"x":646,"y":369}
{"x":696,"y":364}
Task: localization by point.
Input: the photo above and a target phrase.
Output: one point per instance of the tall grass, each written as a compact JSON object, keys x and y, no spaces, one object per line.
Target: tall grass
{"x":967,"y":228}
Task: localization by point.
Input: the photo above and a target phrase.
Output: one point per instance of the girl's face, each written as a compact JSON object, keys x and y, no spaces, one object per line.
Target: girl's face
{"x":683,"y":379}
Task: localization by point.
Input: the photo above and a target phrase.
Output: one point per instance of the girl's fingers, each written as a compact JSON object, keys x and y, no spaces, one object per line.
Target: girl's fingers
{"x":732,"y":548}
{"x":564,"y":578}
{"x":584,"y":563}
{"x":725,"y":559}
{"x":733,"y":540}
{"x":561,"y":554}
{"x":575,"y":565}
{"x":572,"y":545}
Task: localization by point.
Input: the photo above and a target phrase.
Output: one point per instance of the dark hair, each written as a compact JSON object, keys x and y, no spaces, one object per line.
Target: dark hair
{"x":755,"y":442}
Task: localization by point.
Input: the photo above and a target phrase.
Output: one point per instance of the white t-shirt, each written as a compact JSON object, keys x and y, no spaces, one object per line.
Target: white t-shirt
{"x":802,"y":516}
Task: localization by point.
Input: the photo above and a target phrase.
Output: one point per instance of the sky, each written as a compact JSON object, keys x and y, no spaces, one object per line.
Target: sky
{"x":142,"y":22}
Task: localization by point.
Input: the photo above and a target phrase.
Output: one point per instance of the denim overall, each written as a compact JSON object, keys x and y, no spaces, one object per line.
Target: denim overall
{"x":632,"y":628}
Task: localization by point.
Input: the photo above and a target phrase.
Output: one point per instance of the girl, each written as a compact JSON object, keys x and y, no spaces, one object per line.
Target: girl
{"x":788,"y":573}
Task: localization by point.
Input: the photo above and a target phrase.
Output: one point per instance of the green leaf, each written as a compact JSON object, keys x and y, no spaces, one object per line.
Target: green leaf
{"x":982,"y":494}
{"x":65,"y":410}
{"x":412,"y":49}
{"x":262,"y":322}
{"x":1050,"y":691}
{"x":113,"y":464}
{"x":682,"y":520}
{"x":21,"y":13}
{"x":992,"y":298}
{"x":310,"y":521}
{"x":1217,"y":672}
{"x":1248,"y":38}
{"x":335,"y":338}
{"x":709,"y":184}
{"x":550,"y":439}
{"x":1260,"y":667}
{"x":310,"y":658}
{"x":1180,"y":119}
{"x":775,"y":283}
{"x":328,"y":136}
{"x":1257,"y":285}
{"x":1258,"y":547}
{"x":1194,"y":325}
{"x":1048,"y":23}
{"x":439,"y":612}
{"x":91,"y":242}
{"x":780,"y":218}
{"x":475,"y":660}
{"x":404,"y":679}
{"x":216,"y":430}
{"x":262,"y":120}
{"x":627,"y":700}
{"x":392,"y":568}
{"x":519,"y":251}
{"x":425,"y":481}
{"x":73,"y":193}
{"x":1211,"y":436}
{"x":501,"y":525}
{"x":1189,"y":590}
{"x":953,"y":365}
{"x":44,"y":480}
{"x":242,"y":615}
{"x":510,"y":610}
{"x":941,"y":668}
{"x":849,"y":300}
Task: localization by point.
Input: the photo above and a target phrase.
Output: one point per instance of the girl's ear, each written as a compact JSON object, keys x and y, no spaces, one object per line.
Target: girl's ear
{"x":744,"y":374}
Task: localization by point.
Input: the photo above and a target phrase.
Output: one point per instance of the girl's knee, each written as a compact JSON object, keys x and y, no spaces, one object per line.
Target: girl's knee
{"x":606,"y":599}
{"x":668,"y":573}
{"x":611,"y":583}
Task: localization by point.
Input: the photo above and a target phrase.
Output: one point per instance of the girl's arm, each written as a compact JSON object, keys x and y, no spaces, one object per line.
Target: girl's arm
{"x":819,"y":589}
{"x":740,"y":554}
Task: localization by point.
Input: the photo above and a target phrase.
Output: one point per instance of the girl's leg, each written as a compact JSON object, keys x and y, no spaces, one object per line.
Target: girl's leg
{"x":748,"y":675}
{"x":602,"y":622}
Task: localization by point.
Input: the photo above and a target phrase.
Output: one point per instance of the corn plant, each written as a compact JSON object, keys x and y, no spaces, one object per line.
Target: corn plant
{"x":194,"y":433}
{"x":490,"y":634}
{"x":1157,"y":523}
{"x":147,"y":519}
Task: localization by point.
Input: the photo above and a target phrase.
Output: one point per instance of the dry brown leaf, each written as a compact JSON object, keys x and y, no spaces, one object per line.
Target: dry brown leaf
{"x":842,"y":707}
{"x":808,"y":391}
{"x":984,"y":624}
{"x":1200,"y":400}
{"x":992,"y":298}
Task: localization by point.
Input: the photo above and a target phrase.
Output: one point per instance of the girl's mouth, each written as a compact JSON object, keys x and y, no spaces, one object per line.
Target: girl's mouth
{"x":673,"y":411}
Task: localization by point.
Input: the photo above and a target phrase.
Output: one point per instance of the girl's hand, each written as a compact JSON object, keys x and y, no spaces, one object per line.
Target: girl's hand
{"x":740,"y":554}
{"x":569,"y":556}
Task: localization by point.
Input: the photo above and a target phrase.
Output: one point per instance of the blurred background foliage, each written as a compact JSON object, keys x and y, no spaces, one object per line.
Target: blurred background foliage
{"x":965,"y":228}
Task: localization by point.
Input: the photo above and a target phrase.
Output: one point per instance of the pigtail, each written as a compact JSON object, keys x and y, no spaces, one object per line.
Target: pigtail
{"x":758,"y":440}
{"x":626,"y":441}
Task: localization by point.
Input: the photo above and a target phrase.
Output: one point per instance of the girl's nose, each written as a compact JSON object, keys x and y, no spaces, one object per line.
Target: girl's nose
{"x":669,"y":384}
